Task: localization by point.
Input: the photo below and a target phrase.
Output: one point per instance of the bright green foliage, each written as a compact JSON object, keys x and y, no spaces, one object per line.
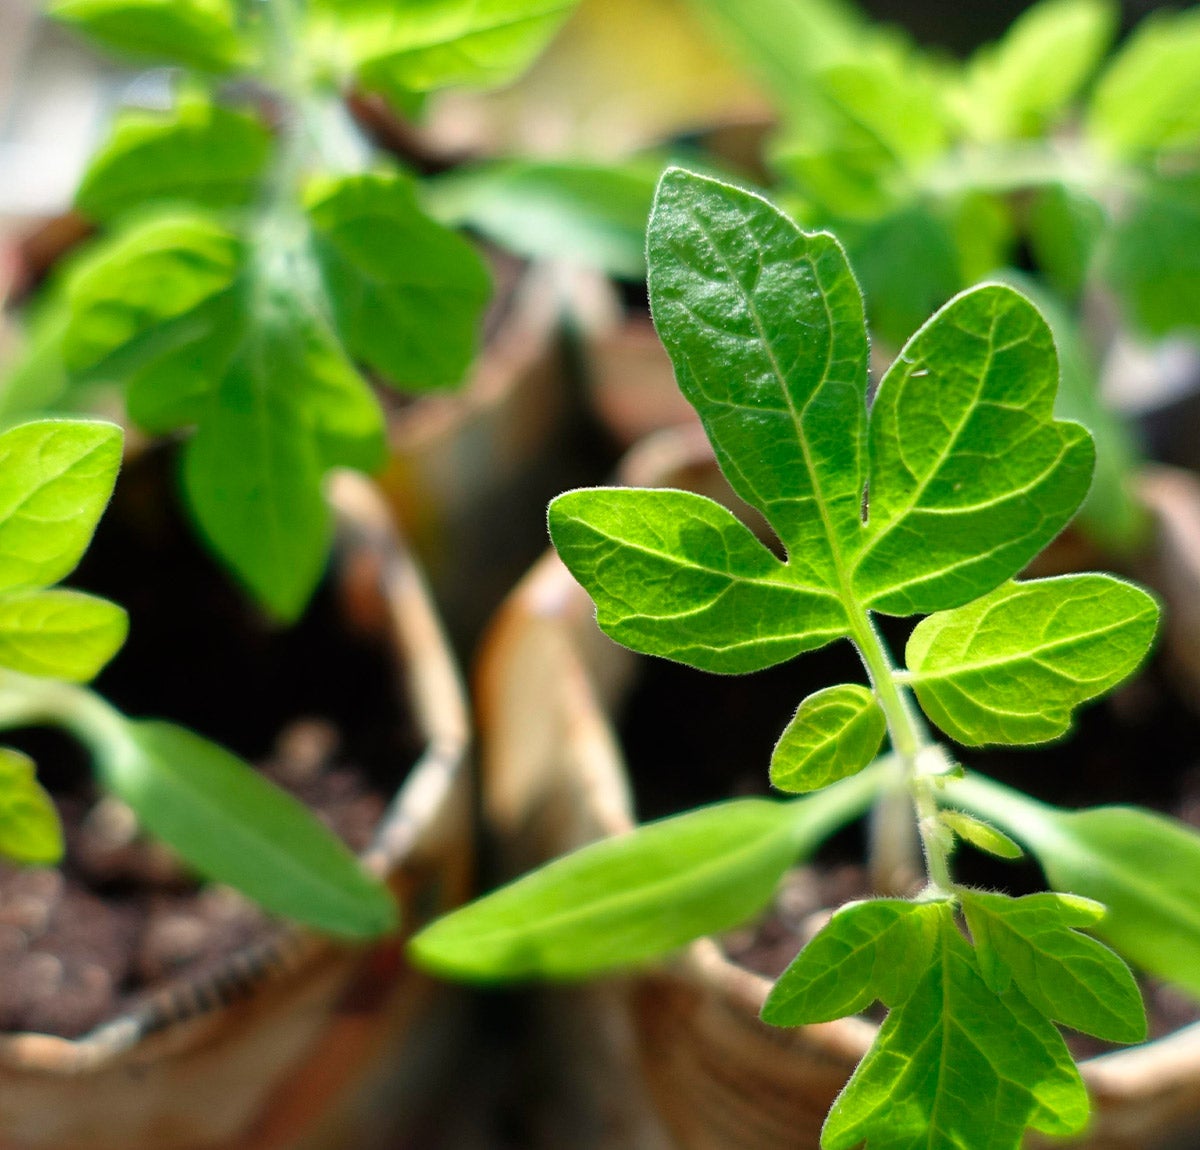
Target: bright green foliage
{"x":834,"y":733}
{"x":1035,"y":943}
{"x":198,"y":33}
{"x":233,"y":826}
{"x":953,"y":1051}
{"x":592,"y":213}
{"x":224,"y":818}
{"x":1143,"y":867}
{"x":602,"y":907}
{"x":29,"y":829}
{"x":930,"y":498}
{"x":1012,"y":666}
{"x":200,"y":153}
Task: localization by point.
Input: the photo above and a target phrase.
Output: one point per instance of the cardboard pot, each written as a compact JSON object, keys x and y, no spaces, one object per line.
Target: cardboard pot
{"x":289,"y":1042}
{"x":695,"y":1067}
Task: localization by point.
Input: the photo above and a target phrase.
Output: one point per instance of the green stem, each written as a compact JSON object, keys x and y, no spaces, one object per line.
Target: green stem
{"x":819,"y":814}
{"x":27,"y":701}
{"x":919,"y":757}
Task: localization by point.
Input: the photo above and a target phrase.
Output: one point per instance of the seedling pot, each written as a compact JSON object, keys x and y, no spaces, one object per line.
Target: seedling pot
{"x":707,"y":1074}
{"x":293,"y":1041}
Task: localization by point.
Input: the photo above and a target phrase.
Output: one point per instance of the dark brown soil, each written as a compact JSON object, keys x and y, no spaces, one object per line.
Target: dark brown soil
{"x":317,"y":706}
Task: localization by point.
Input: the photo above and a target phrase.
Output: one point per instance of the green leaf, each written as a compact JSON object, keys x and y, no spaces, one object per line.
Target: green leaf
{"x":198,"y":33}
{"x":1013,"y":666}
{"x":640,"y":895}
{"x":1064,"y":226}
{"x":252,"y":476}
{"x":675,"y":574}
{"x":1148,"y":99}
{"x":59,"y":634}
{"x":234,"y":827}
{"x":56,"y":477}
{"x":199,"y":153}
{"x":765,"y":327}
{"x":981,"y":835}
{"x":30,"y":832}
{"x":971,"y":476}
{"x":1069,"y":977}
{"x":953,"y":1052}
{"x":587,"y":213}
{"x":1021,"y":84}
{"x":407,"y":294}
{"x":834,"y":733}
{"x":423,"y":45}
{"x":1153,"y":255}
{"x":867,"y":951}
{"x":1144,"y":868}
{"x":158,"y":310}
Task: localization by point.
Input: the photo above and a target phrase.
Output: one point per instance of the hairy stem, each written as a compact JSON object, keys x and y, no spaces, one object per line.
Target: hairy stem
{"x":919,"y":760}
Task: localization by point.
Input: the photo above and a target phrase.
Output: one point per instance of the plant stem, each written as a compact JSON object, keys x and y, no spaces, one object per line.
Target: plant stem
{"x":920,"y":761}
{"x":25,"y":700}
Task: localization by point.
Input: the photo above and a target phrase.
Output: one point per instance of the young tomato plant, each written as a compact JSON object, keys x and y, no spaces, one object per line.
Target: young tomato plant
{"x":928,"y":500}
{"x":219,"y":815}
{"x":257,"y":272}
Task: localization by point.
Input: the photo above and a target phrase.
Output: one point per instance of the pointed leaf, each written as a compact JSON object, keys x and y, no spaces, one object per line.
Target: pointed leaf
{"x":868,"y":951}
{"x":1013,"y":666}
{"x":30,"y":832}
{"x":954,"y":1055}
{"x":197,"y":33}
{"x":200,"y":153}
{"x":833,"y":734}
{"x":59,"y":634}
{"x":981,"y":835}
{"x":637,"y":896}
{"x":234,"y":827}
{"x":675,"y":574}
{"x":1071,"y":978}
{"x":1143,"y":867}
{"x":407,"y":293}
{"x":971,"y":475}
{"x":765,"y":327}
{"x":56,"y":477}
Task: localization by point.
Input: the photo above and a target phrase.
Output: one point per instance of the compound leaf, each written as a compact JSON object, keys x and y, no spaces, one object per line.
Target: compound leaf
{"x":407,"y":294}
{"x":952,"y":1052}
{"x":30,"y":832}
{"x":199,"y":153}
{"x":59,"y":634}
{"x":198,"y":33}
{"x":1012,"y":666}
{"x":56,"y":477}
{"x":868,"y":951}
{"x":676,"y":574}
{"x":1143,"y":867}
{"x":765,"y":327}
{"x":1034,"y":941}
{"x":971,"y":475}
{"x":233,"y":826}
{"x":834,"y":733}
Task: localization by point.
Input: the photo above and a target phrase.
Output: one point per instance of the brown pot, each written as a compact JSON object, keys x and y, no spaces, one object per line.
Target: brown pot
{"x":710,"y":1075}
{"x":288,"y":1042}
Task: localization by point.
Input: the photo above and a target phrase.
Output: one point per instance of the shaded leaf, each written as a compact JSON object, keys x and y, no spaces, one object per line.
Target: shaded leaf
{"x":233,"y":826}
{"x":834,"y":733}
{"x":200,"y":153}
{"x":30,"y":832}
{"x":407,"y":294}
{"x":675,"y":574}
{"x":1013,"y":666}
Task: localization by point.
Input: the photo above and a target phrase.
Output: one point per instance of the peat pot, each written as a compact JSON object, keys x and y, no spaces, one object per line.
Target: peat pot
{"x":681,"y":1044}
{"x":293,"y":1041}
